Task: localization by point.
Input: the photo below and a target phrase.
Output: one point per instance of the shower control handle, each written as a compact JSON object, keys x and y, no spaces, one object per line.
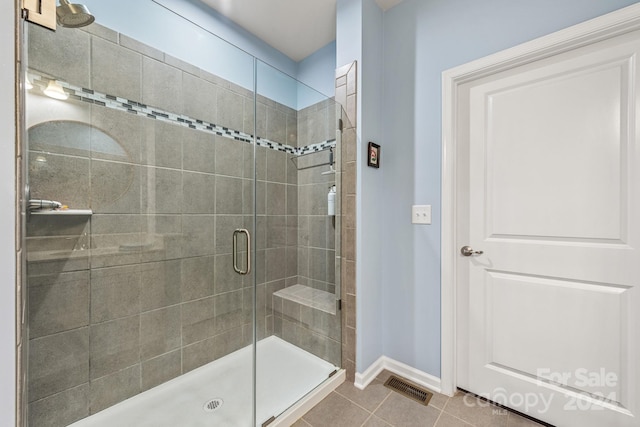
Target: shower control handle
{"x":247,"y":268}
{"x":468,"y":251}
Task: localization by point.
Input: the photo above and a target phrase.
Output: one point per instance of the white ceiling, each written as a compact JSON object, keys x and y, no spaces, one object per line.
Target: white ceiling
{"x":296,"y":28}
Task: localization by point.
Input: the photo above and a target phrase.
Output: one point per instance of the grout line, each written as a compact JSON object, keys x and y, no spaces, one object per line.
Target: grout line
{"x":367,"y":419}
{"x":381,"y":403}
{"x":457,"y":418}
{"x":443,"y":411}
{"x":438,"y":419}
{"x":360,"y":406}
{"x":444,"y":407}
{"x":351,"y":401}
{"x":305,"y":421}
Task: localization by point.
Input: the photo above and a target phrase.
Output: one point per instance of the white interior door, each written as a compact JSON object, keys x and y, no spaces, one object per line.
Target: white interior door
{"x":548,"y":318}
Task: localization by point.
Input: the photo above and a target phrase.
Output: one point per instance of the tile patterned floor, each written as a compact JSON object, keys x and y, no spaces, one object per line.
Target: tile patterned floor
{"x":378,"y":406}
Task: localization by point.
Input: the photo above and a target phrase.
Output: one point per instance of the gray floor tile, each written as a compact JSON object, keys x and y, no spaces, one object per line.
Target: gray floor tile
{"x":401,"y":411}
{"x":374,"y":421}
{"x":336,"y":411}
{"x":369,"y":398}
{"x":384,"y":376}
{"x":438,"y":400}
{"x":473,"y":410}
{"x":447,"y":420}
{"x":351,"y":407}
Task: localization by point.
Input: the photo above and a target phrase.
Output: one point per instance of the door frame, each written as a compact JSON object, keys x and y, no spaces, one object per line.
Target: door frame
{"x":607,"y":26}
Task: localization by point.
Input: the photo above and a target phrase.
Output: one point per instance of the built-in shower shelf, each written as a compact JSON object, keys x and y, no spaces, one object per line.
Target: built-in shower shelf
{"x":78,"y":212}
{"x":310,"y":297}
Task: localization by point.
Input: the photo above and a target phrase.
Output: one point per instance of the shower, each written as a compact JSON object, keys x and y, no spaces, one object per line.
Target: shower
{"x":132,"y":300}
{"x":73,"y":15}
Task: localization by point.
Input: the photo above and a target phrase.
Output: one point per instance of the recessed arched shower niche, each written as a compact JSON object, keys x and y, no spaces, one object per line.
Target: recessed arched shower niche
{"x":181,"y":248}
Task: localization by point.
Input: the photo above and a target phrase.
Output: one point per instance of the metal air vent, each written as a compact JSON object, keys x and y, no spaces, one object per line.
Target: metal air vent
{"x":408,"y":389}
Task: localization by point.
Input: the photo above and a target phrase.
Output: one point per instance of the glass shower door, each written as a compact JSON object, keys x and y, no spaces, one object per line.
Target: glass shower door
{"x":136,"y":315}
{"x":299,"y":344}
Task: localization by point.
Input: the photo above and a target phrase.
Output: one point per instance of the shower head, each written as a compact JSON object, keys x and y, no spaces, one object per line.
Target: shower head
{"x":73,"y":15}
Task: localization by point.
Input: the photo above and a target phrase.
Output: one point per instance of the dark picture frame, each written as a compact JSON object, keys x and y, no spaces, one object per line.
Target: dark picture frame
{"x":373,"y":155}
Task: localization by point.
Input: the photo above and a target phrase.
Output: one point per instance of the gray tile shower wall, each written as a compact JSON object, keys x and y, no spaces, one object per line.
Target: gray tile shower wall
{"x":144,"y":289}
{"x":316,"y":229}
{"x":301,"y":322}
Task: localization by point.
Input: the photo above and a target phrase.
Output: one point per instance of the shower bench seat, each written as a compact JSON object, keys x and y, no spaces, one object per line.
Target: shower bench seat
{"x":307,"y":318}
{"x":309,"y":297}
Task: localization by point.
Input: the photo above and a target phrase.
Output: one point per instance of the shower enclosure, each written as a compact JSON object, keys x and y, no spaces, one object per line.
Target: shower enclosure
{"x":194,"y":263}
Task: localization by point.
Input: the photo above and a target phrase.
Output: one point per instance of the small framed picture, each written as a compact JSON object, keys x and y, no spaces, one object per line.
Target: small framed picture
{"x":373,"y":159}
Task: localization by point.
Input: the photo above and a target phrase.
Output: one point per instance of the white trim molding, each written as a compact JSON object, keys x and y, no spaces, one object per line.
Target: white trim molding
{"x":599,"y":29}
{"x":417,"y":376}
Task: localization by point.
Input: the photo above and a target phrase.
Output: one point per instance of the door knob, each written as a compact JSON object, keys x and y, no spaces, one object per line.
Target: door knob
{"x":468,"y":251}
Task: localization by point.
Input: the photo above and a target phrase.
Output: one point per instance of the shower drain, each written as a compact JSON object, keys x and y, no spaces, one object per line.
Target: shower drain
{"x":213,"y":404}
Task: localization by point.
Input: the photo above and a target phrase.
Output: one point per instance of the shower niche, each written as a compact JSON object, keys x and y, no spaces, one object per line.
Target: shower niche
{"x":138,"y":306}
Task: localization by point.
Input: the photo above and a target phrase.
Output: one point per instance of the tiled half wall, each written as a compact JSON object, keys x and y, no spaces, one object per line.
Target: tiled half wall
{"x":346,"y":95}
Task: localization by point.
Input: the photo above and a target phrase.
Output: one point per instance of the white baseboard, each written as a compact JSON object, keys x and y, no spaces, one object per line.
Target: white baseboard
{"x":303,"y":406}
{"x":398,"y":368}
{"x":365,"y":378}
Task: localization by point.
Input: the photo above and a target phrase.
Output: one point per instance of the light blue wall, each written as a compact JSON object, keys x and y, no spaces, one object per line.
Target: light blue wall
{"x":156,"y":26}
{"x":217,"y":45}
{"x":371,"y":237}
{"x":405,"y":301}
{"x":422,"y":38}
{"x":348,"y":31}
{"x":318,"y":71}
{"x":205,"y":17}
{"x":316,"y":76}
{"x":359,"y":38}
{"x":276,"y":85}
{"x":307,"y":95}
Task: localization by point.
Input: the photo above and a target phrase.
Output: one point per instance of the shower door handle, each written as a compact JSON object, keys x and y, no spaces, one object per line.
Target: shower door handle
{"x":247,"y":268}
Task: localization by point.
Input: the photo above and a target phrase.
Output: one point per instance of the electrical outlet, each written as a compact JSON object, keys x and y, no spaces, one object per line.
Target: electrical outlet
{"x":421,"y":214}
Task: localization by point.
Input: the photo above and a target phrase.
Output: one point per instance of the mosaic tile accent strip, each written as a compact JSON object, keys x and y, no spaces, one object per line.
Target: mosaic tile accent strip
{"x":111,"y":101}
{"x":320,"y":146}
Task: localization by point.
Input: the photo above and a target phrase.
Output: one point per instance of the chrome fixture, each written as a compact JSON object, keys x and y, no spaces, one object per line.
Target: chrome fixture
{"x":40,"y":204}
{"x":73,"y":15}
{"x":247,"y":268}
{"x":331,"y":169}
{"x":468,"y":251}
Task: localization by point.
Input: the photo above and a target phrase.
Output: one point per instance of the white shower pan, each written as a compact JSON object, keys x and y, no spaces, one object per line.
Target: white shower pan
{"x":220,"y":393}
